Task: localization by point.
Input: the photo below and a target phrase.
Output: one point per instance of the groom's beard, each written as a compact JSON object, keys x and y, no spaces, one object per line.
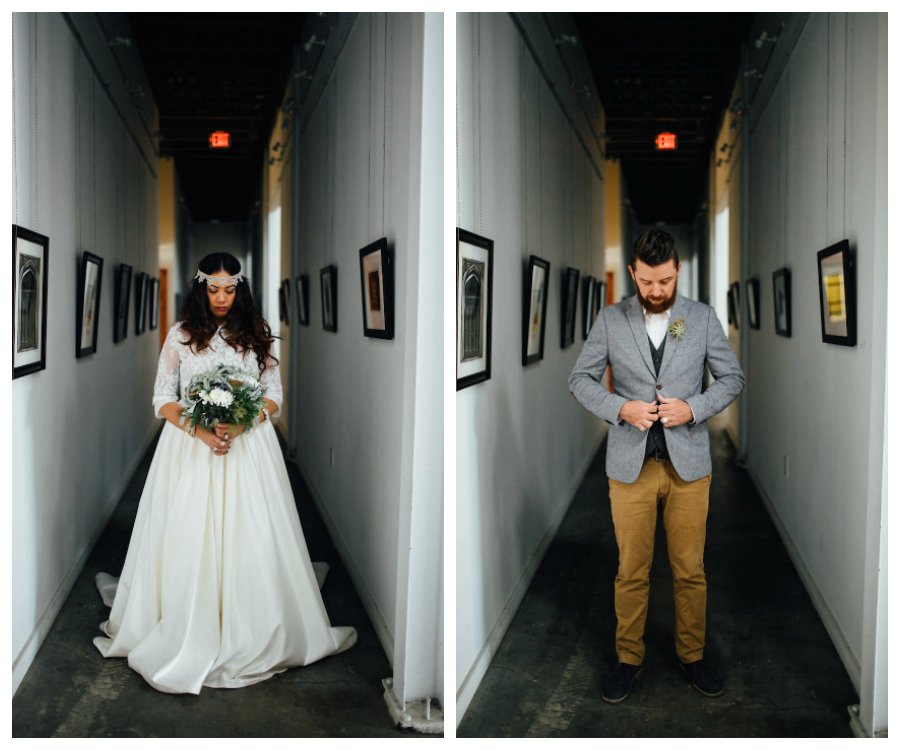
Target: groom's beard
{"x":656,"y":306}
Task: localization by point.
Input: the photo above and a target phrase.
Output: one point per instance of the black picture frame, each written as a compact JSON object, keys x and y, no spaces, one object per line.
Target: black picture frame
{"x":303,"y":299}
{"x":87,"y":314}
{"x":837,"y":294}
{"x":588,"y":305}
{"x":600,"y":297}
{"x":376,"y":280}
{"x":734,"y":300}
{"x":474,"y":308}
{"x":141,"y":293}
{"x":284,"y":299}
{"x":753,"y":303}
{"x":31,"y":253}
{"x":154,"y":303}
{"x":329,"y":289}
{"x":534,"y":309}
{"x":730,"y":297}
{"x":121,"y":302}
{"x":569,"y":311}
{"x":781,"y":293}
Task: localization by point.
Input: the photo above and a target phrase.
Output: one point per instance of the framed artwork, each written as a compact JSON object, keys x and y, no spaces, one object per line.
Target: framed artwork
{"x":734,"y":304}
{"x":837,"y":294}
{"x":474,"y":307}
{"x":122,"y":299}
{"x":569,"y":306}
{"x":781,"y":286}
{"x":303,"y":299}
{"x":534,"y":313}
{"x":90,"y":274}
{"x":141,"y":292}
{"x":588,"y":304}
{"x":753,"y":303}
{"x":281,"y":310}
{"x":154,"y":304}
{"x":30,"y":255}
{"x":376,"y":276}
{"x":600,"y":297}
{"x":328,"y":281}
{"x":284,"y":301}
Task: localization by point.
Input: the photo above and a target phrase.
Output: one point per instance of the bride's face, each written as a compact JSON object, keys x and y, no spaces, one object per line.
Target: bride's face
{"x":220,"y":298}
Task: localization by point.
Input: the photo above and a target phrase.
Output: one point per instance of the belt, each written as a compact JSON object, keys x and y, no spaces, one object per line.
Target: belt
{"x":660,"y":455}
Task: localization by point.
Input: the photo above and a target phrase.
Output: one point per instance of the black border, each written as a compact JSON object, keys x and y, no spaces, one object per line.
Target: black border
{"x":786,"y":273}
{"x":533,"y":261}
{"x":849,"y":263}
{"x":387,"y":275}
{"x":79,"y":315}
{"x":329,"y":271}
{"x":487,"y":245}
{"x":285,"y":297}
{"x":734,"y":301}
{"x":753,"y":288}
{"x":44,"y":241}
{"x":154,"y":303}
{"x":600,"y":297}
{"x":567,"y":338}
{"x":588,"y":297}
{"x":142,"y":292}
{"x":122,"y":305}
{"x":303,"y":299}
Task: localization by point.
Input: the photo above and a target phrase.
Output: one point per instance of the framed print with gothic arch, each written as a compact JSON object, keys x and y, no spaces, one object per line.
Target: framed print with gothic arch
{"x":30,"y":254}
{"x":474,"y":307}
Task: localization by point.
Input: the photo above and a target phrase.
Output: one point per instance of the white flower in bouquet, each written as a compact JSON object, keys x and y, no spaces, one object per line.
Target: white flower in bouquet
{"x":220,"y":397}
{"x":204,"y":397}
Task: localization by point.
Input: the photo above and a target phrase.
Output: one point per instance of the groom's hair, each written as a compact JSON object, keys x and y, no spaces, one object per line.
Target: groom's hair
{"x":654,"y":248}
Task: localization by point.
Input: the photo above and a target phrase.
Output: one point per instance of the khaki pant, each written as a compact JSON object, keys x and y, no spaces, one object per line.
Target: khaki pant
{"x":684,"y":506}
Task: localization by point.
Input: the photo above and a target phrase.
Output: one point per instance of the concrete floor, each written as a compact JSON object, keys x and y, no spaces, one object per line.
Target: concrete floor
{"x":783,"y":675}
{"x":72,"y":691}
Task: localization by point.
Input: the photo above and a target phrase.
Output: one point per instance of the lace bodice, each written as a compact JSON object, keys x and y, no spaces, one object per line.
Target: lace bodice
{"x":178,"y":364}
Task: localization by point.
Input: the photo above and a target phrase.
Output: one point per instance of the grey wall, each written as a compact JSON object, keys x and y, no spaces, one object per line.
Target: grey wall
{"x":81,"y":425}
{"x":820,"y":406}
{"x":218,"y":237}
{"x":522,"y":442}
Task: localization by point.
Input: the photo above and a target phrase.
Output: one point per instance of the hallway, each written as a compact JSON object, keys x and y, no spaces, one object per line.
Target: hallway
{"x":72,"y":691}
{"x":783,"y":676}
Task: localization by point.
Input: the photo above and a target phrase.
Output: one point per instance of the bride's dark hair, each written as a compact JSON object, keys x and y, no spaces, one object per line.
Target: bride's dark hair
{"x":246,"y":328}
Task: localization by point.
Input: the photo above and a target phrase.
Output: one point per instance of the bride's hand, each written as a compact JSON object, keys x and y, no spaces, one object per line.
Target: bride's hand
{"x":228,"y":431}
{"x":218,"y":444}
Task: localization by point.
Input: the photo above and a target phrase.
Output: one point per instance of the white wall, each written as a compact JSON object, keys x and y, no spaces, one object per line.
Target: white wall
{"x":818,"y":404}
{"x":81,"y":425}
{"x":358,"y":397}
{"x":523,"y":443}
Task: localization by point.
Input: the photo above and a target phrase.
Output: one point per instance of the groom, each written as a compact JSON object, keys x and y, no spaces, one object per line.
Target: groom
{"x":657,"y":455}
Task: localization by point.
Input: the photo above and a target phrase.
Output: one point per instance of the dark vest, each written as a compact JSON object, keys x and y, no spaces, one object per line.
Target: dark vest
{"x":656,"y":440}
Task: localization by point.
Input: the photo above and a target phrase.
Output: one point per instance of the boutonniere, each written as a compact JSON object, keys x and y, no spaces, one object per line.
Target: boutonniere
{"x":677,"y":329}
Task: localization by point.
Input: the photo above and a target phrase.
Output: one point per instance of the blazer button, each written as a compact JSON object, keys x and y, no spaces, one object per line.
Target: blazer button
{"x":659,"y":387}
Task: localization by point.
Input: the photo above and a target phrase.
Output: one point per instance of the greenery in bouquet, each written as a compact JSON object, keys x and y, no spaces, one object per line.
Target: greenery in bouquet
{"x":227,"y":394}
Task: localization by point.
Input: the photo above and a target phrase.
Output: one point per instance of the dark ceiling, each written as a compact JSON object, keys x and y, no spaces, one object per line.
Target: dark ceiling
{"x":663,"y":72}
{"x":217,"y":71}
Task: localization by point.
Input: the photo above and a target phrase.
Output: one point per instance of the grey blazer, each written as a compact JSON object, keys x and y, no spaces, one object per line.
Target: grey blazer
{"x":619,"y":338}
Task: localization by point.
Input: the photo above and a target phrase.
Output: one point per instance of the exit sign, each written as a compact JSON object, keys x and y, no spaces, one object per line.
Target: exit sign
{"x":219,"y":139}
{"x":666,"y":141}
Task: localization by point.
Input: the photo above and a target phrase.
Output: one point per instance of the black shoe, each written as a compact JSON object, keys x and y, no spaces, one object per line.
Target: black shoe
{"x":618,"y":685}
{"x":704,"y":678}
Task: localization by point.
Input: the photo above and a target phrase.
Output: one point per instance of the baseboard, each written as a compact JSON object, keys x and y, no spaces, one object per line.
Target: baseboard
{"x":25,"y":657}
{"x":472,"y":680}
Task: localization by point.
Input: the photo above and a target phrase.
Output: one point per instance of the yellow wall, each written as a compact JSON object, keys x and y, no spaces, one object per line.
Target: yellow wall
{"x":613,"y":186}
{"x":167,"y":233}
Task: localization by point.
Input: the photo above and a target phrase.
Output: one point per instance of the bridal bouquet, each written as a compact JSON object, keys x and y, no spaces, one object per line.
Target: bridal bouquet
{"x":226,"y":394}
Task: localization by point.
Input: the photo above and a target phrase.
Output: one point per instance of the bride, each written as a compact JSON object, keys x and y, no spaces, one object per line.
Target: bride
{"x":217,"y":589}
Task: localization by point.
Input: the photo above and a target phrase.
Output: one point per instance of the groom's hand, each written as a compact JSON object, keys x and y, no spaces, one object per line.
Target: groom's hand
{"x":674,"y":411}
{"x":639,"y":413}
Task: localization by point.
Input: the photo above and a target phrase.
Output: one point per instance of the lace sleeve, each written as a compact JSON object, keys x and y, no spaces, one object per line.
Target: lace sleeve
{"x":165,"y":390}
{"x":270,"y":380}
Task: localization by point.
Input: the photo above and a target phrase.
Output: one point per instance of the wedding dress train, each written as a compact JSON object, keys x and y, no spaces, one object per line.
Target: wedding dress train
{"x":217,"y":588}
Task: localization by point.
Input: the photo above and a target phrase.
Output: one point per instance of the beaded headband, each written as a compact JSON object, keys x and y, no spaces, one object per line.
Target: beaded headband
{"x":221,"y":281}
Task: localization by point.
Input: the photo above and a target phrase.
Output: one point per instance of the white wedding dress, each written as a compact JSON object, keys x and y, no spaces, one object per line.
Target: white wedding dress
{"x":217,"y":587}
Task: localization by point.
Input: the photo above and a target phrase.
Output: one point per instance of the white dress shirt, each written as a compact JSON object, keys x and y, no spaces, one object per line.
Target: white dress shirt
{"x":657,"y":326}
